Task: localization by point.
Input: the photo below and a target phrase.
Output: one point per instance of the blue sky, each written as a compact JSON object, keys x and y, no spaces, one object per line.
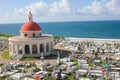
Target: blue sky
{"x":15,"y":11}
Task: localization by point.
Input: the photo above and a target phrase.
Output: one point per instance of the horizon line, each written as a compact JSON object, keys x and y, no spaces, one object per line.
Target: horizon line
{"x":61,"y":21}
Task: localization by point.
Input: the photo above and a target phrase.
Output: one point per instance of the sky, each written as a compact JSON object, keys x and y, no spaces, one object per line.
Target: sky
{"x":16,"y":11}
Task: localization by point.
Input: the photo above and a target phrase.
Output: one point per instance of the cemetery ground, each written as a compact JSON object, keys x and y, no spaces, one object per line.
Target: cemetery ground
{"x":83,"y":66}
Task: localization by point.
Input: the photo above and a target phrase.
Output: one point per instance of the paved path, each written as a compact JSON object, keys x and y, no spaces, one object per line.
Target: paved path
{"x":2,"y":59}
{"x":51,"y":61}
{"x":104,"y":56}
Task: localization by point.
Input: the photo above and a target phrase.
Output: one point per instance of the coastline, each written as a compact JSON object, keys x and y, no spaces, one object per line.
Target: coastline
{"x":92,"y":39}
{"x":86,"y":39}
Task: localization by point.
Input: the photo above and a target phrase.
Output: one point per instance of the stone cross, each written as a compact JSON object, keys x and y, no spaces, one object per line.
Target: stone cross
{"x":30,"y":16}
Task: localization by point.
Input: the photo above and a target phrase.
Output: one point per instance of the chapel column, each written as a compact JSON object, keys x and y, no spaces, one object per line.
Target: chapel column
{"x":44,"y":47}
{"x":38,"y":48}
{"x":49,"y":47}
{"x":30,"y":48}
{"x":17,"y":49}
{"x":12,"y":48}
{"x":23,"y":49}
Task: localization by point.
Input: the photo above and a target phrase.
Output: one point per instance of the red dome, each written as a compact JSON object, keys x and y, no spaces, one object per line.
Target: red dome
{"x":30,"y":26}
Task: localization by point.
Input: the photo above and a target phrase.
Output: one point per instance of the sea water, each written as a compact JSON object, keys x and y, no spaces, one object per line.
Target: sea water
{"x":80,"y":29}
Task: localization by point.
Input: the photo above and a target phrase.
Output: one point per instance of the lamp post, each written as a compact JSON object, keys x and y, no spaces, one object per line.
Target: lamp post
{"x":58,"y":59}
{"x":42,"y":59}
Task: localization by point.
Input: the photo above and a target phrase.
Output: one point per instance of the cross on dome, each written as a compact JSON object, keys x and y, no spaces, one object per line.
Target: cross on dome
{"x":30,"y":16}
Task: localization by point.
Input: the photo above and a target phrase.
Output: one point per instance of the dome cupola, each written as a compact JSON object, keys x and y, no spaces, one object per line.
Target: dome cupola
{"x":30,"y":28}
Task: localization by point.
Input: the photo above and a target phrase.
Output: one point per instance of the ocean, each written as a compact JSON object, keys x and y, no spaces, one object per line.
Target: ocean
{"x":80,"y":29}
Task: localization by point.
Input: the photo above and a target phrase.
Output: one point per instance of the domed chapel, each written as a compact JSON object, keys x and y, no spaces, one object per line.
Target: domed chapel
{"x":31,"y":42}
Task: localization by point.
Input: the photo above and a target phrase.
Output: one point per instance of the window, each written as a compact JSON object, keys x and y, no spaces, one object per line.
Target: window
{"x":40,"y":34}
{"x":33,"y":34}
{"x":25,"y":35}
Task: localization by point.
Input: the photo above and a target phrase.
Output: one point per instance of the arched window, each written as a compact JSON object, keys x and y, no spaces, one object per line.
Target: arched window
{"x":25,"y":35}
{"x":27,"y":49}
{"x":14,"y":49}
{"x":47,"y":47}
{"x":33,"y":34}
{"x":41,"y":48}
{"x":34,"y":48}
{"x":40,"y":34}
{"x":51,"y":46}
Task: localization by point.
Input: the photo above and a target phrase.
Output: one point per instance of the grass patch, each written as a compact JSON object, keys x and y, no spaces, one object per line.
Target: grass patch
{"x":5,"y":35}
{"x":58,"y":37}
{"x":1,"y":65}
{"x":84,"y":76}
{"x":50,"y":56}
{"x":90,"y":64}
{"x":48,"y":78}
{"x":70,"y":77}
{"x":1,"y":78}
{"x":77,"y":66}
{"x":28,"y":58}
{"x":103,"y":62}
{"x":76,"y":62}
{"x":37,"y":58}
{"x":6,"y":55}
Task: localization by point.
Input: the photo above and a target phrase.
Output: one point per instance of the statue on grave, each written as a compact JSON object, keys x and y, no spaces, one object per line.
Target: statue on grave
{"x":58,"y":59}
{"x":107,"y":60}
{"x":72,"y":55}
{"x":96,"y":54}
{"x":74,"y":76}
{"x":42,"y":66}
{"x":69,"y":58}
{"x":59,"y":74}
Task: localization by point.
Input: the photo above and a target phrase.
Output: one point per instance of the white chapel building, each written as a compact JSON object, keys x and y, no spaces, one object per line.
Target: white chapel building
{"x":31,"y":42}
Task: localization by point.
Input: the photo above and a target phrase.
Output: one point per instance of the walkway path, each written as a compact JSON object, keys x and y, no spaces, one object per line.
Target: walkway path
{"x":104,"y":56}
{"x":51,"y":61}
{"x":2,"y":59}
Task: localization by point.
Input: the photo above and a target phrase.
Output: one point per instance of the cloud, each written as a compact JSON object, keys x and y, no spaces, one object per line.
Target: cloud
{"x":64,"y":7}
{"x":94,"y":8}
{"x":113,"y":6}
{"x":38,"y":8}
{"x":99,"y":8}
{"x":63,"y":10}
{"x":42,"y":8}
{"x":59,"y":8}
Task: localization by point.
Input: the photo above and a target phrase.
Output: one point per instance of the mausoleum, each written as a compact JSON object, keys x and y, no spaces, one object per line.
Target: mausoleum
{"x":31,"y":42}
